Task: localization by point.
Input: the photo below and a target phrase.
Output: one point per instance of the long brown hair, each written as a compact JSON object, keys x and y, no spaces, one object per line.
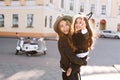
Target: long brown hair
{"x":90,"y":33}
{"x":69,"y":35}
{"x":90,"y":42}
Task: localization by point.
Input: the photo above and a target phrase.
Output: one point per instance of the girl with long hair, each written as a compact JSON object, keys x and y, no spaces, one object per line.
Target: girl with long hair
{"x":66,"y":47}
{"x":82,"y":40}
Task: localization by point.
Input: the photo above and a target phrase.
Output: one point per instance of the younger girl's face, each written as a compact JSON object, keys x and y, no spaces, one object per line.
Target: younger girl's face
{"x":79,"y":24}
{"x":64,"y":27}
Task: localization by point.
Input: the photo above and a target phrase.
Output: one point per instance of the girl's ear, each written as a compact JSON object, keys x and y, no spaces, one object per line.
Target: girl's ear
{"x":89,"y":15}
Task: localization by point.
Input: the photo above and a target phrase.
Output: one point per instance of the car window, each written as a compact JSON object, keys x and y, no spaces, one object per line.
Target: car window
{"x":110,"y":31}
{"x":106,"y":31}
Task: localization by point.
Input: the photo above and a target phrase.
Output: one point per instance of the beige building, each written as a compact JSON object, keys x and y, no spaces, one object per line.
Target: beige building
{"x":36,"y":17}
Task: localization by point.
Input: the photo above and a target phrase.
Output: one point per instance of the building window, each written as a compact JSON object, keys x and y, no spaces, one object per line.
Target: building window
{"x":71,"y":5}
{"x":1,"y":20}
{"x":45,"y":21}
{"x":119,"y":10}
{"x":29,"y":20}
{"x":103,"y":10}
{"x":51,"y":1}
{"x":82,"y":7}
{"x":92,"y":9}
{"x":62,"y":3}
{"x":15,"y":20}
{"x":50,"y":21}
{"x":118,"y":27}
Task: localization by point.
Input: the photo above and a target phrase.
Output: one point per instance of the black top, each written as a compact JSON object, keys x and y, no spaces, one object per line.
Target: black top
{"x":81,"y":41}
{"x":67,"y":55}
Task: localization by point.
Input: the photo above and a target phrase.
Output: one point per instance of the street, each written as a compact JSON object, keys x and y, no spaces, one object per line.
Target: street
{"x":105,"y":53}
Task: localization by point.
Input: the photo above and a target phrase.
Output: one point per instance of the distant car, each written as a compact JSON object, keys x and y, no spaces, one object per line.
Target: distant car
{"x":109,"y":34}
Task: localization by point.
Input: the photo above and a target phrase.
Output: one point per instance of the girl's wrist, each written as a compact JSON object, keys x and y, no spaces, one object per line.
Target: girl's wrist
{"x":84,"y":31}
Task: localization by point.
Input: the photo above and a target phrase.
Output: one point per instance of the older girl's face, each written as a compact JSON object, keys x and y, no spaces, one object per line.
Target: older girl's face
{"x":79,"y":24}
{"x":64,"y":27}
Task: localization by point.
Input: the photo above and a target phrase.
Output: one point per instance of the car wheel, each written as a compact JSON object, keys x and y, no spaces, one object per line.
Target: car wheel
{"x":45,"y":52}
{"x":116,"y":37}
{"x":17,"y":51}
{"x":102,"y":36}
{"x":28,"y":54}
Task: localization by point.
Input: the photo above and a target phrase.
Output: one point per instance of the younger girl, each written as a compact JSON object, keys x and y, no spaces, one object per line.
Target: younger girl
{"x":82,"y":39}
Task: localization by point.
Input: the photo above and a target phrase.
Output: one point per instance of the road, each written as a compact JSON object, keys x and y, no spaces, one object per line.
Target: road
{"x":7,"y":53}
{"x":106,"y":53}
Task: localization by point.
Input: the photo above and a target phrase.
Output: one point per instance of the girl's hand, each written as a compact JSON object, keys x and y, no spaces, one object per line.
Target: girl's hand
{"x":68,"y":73}
{"x":83,"y":26}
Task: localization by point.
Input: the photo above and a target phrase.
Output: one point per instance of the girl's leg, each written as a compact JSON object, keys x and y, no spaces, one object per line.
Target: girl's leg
{"x":68,"y":72}
{"x":73,"y":76}
{"x":79,"y":76}
{"x":64,"y":77}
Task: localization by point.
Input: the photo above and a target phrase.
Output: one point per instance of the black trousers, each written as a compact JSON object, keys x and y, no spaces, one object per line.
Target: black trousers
{"x":73,"y":76}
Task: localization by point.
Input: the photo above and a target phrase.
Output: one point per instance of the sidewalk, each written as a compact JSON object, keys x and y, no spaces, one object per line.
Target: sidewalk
{"x":101,"y":72}
{"x":109,"y":76}
{"x":12,"y":71}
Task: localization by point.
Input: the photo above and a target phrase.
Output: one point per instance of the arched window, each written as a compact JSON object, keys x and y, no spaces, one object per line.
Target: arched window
{"x":102,"y":24}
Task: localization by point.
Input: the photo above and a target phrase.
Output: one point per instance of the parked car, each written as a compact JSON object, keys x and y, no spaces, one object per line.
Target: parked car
{"x":109,"y":34}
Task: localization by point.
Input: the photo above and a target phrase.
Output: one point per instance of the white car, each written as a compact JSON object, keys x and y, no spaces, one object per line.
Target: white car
{"x":109,"y":34}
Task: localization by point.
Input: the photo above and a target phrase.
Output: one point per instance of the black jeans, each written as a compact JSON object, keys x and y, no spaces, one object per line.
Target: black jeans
{"x":73,"y":76}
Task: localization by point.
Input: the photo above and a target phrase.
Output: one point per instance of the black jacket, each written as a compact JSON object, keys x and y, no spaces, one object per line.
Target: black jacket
{"x":67,"y":55}
{"x":81,"y":41}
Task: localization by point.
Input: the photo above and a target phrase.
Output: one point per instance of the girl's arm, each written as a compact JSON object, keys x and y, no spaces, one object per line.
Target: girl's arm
{"x":69,"y":53}
{"x":85,"y":34}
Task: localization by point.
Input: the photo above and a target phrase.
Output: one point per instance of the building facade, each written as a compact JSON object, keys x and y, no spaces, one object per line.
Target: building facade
{"x":37,"y":17}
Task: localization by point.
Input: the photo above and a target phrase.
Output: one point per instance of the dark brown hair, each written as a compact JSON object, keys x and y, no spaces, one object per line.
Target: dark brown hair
{"x":90,"y":33}
{"x":68,"y":37}
{"x":90,"y":42}
{"x":62,"y":34}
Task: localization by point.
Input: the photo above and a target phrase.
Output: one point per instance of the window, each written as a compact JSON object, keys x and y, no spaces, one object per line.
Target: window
{"x":71,"y":5}
{"x":51,"y":1}
{"x":118,"y":27}
{"x":92,"y":8}
{"x":15,"y":20}
{"x":29,"y":20}
{"x":103,"y":10}
{"x":62,"y":3}
{"x":82,"y":7}
{"x":119,"y":10}
{"x":1,"y":20}
{"x":45,"y":21}
{"x":50,"y":21}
